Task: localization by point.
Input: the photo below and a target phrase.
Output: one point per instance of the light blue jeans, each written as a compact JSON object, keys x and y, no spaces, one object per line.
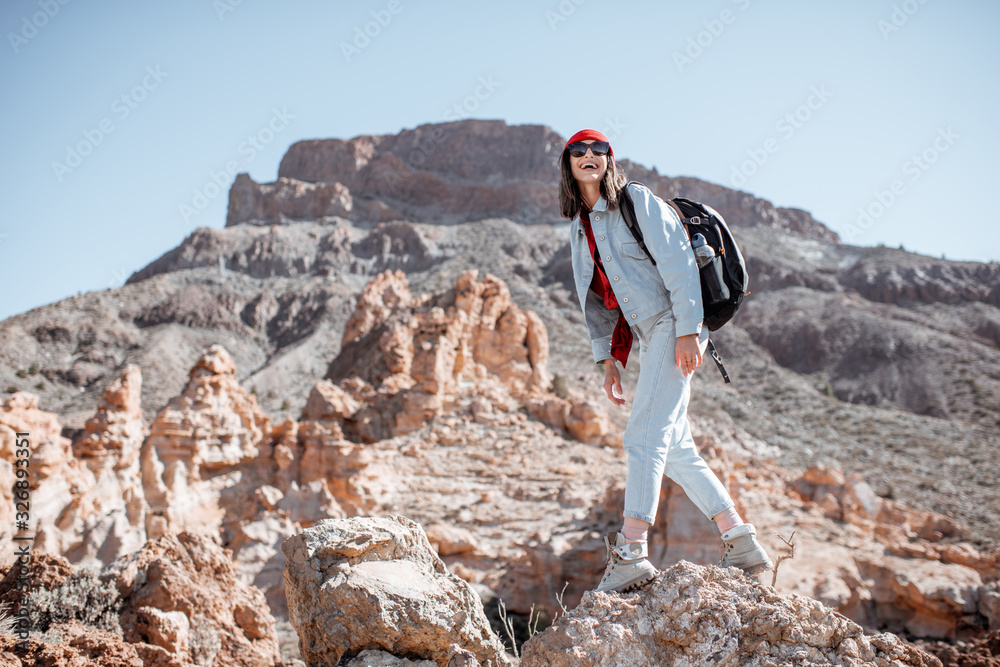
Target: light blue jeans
{"x":658,"y":438}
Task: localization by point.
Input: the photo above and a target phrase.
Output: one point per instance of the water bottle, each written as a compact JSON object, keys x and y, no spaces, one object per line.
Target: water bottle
{"x":702,"y":251}
{"x":714,"y":289}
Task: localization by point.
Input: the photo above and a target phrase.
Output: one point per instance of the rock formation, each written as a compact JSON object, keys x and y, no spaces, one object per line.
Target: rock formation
{"x":57,"y":479}
{"x":405,"y":360}
{"x":212,"y":464}
{"x":864,"y":390}
{"x":880,"y":563}
{"x":113,"y":515}
{"x":469,"y":459}
{"x":982,"y":652}
{"x":453,"y":171}
{"x":182,"y":601}
{"x":708,"y":616}
{"x":284,"y":199}
{"x":80,"y":645}
{"x":258,"y":517}
{"x":375,"y":583}
{"x":417,"y":353}
{"x":204,"y":434}
{"x":873,"y":327}
{"x":322,"y":454}
{"x":86,"y":499}
{"x":180,"y":604}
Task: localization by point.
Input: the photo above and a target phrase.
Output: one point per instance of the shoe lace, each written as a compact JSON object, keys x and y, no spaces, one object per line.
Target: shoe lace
{"x":612,"y":561}
{"x":726,"y":548}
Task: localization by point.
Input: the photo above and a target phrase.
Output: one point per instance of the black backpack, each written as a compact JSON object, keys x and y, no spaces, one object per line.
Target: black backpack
{"x":724,"y":279}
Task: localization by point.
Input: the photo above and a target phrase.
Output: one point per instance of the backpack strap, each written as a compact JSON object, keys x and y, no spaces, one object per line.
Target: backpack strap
{"x":677,"y":209}
{"x":628,"y":212}
{"x":718,"y":360}
{"x":627,"y":207}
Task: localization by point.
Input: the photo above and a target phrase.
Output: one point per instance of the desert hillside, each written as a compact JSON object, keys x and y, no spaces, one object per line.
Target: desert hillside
{"x":388,"y":329}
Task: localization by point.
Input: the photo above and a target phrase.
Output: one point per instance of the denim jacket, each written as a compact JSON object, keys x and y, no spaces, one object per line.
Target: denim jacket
{"x":642,"y":289}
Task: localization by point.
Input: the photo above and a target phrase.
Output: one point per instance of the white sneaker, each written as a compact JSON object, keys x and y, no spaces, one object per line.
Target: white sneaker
{"x":628,"y":564}
{"x":743,"y":550}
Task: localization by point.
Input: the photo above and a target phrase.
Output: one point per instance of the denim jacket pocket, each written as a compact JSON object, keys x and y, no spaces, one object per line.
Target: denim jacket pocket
{"x":634,"y":250}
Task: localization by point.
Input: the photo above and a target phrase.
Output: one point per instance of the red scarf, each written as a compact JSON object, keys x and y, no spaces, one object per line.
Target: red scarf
{"x":621,"y":339}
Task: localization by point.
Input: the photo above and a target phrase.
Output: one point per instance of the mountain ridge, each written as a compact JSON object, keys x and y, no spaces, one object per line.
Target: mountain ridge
{"x":829,"y":328}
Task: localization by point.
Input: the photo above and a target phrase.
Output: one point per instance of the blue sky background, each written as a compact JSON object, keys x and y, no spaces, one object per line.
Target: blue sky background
{"x":890,"y":90}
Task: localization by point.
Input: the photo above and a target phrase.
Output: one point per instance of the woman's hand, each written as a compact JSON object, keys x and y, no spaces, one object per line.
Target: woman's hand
{"x":687,"y":352}
{"x":613,"y":382}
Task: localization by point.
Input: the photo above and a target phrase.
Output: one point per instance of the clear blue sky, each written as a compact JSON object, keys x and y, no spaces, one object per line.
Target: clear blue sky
{"x":833,"y":99}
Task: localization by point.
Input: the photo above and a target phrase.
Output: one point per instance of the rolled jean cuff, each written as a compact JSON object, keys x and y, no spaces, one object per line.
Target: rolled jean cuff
{"x":641,"y":517}
{"x":722,"y":507}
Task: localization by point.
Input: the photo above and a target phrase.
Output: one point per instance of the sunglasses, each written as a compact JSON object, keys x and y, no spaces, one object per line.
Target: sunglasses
{"x":579,"y":148}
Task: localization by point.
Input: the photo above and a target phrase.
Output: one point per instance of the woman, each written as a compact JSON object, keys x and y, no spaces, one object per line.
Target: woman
{"x":622,"y":292}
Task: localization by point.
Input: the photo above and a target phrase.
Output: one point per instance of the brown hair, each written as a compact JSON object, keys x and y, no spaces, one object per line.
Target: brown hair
{"x":570,"y":199}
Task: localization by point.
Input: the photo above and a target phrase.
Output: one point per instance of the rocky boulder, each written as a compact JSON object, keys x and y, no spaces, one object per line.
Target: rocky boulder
{"x":80,"y":646}
{"x":884,"y":565}
{"x":691,"y":614}
{"x":177,"y":602}
{"x":981,"y":652}
{"x":923,"y":598}
{"x":182,"y":601}
{"x":376,"y":583}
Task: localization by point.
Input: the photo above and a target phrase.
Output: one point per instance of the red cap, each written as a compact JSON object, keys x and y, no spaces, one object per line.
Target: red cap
{"x":583,"y":135}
